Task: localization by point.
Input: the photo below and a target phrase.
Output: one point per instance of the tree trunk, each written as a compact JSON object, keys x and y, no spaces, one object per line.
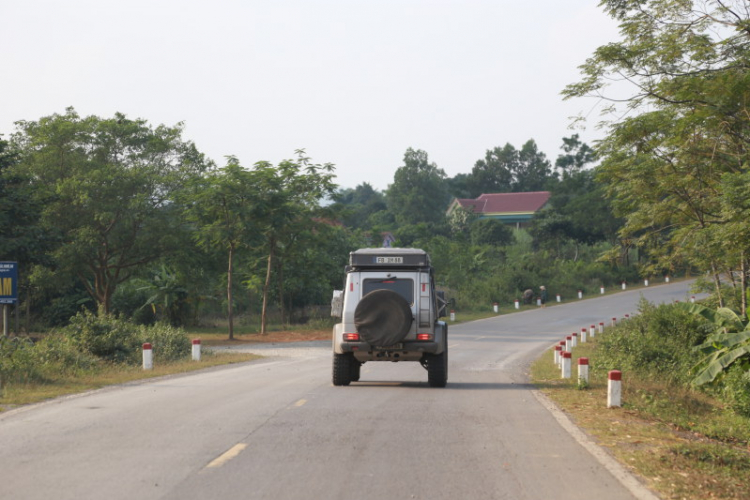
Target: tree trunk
{"x":743,"y":283}
{"x":717,"y":284}
{"x":230,"y":297}
{"x":266,"y":286}
{"x":280,"y":274}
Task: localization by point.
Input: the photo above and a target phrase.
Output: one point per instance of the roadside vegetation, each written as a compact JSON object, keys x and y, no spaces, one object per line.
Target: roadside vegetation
{"x":685,"y":436}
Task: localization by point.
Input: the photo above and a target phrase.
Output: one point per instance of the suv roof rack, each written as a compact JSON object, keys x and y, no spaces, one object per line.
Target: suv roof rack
{"x":389,"y":258}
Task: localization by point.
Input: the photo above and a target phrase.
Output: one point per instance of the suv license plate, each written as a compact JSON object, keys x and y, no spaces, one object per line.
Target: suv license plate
{"x":394,"y":347}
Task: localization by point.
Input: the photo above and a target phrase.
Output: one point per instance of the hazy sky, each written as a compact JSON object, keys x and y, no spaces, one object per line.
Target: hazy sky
{"x":353,"y":82}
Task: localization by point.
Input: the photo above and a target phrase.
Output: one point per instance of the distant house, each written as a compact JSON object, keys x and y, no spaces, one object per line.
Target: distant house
{"x":512,"y":208}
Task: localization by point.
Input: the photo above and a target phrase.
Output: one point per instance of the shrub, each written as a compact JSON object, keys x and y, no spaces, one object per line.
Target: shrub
{"x":168,"y":342}
{"x":657,"y":342}
{"x":735,"y":389}
{"x":106,"y":337}
{"x":17,"y":361}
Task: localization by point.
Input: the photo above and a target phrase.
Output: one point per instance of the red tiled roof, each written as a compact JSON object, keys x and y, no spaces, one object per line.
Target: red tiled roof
{"x":506,"y":202}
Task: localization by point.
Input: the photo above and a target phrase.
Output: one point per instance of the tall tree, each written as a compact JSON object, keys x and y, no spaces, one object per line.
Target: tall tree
{"x":222,"y":206}
{"x":494,"y":173}
{"x":687,"y":63}
{"x":577,"y":155}
{"x":419,"y":192}
{"x":288,"y":200}
{"x":533,"y":170}
{"x":107,"y":185}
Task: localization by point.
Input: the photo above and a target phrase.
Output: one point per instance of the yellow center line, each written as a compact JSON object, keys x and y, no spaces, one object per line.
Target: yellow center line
{"x":300,"y":402}
{"x":227,"y":456}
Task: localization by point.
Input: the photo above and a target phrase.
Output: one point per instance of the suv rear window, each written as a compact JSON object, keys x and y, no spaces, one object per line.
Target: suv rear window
{"x":403,"y":287}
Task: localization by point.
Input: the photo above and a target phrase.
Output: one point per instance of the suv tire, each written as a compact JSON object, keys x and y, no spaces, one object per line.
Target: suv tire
{"x":343,"y":366}
{"x":437,"y":368}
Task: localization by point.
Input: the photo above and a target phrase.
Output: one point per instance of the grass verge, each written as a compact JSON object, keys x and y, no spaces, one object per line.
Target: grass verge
{"x":682,"y":443}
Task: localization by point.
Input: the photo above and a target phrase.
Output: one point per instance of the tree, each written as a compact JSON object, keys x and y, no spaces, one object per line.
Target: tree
{"x":222,"y":206}
{"x":491,"y":232}
{"x":577,"y":155}
{"x":494,"y":173}
{"x":288,"y":200}
{"x":107,"y":185}
{"x":419,"y":192}
{"x":358,"y":204}
{"x":507,"y":169}
{"x":687,"y":126}
{"x":23,"y":239}
{"x":533,"y":170}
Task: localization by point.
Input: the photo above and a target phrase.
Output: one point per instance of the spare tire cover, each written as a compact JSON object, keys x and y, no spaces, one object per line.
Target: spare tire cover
{"x":383,"y":317}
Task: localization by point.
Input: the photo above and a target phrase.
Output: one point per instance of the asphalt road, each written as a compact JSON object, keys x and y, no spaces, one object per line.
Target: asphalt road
{"x":277,"y":429}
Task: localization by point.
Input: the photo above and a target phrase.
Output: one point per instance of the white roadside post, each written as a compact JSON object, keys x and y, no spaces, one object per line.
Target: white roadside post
{"x":566,"y":360}
{"x":518,"y":305}
{"x":583,"y":371}
{"x":562,"y":350}
{"x":539,"y":302}
{"x":624,"y":286}
{"x":148,"y":357}
{"x":558,"y":297}
{"x":692,"y":299}
{"x":601,"y":327}
{"x":558,"y":351}
{"x":614,"y":321}
{"x":645,"y":282}
{"x":601,"y":290}
{"x":569,"y":343}
{"x":453,"y":315}
{"x":196,"y":349}
{"x":583,"y":335}
{"x":580,"y":294}
{"x":496,"y":307}
{"x":574,"y":339}
{"x":614,"y":389}
{"x":666,"y":278}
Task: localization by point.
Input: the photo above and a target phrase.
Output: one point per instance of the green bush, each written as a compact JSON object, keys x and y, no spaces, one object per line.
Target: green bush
{"x":735,"y":389}
{"x":658,"y":342}
{"x":59,"y":355}
{"x":115,"y":339}
{"x":106,"y":337}
{"x":17,"y":361}
{"x":168,"y":342}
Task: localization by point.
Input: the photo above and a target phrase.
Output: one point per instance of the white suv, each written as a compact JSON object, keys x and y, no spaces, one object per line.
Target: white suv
{"x":389,"y":311}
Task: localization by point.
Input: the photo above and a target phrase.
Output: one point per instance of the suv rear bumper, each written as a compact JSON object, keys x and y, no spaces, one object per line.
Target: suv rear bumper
{"x":420,"y":347}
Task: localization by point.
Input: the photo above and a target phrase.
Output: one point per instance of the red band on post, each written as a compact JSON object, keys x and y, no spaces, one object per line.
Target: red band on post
{"x":196,"y":341}
{"x":615,"y":375}
{"x":567,"y":354}
{"x":146,"y":346}
{"x":583,"y":361}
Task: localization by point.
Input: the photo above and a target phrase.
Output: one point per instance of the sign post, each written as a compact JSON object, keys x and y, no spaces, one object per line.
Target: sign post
{"x":8,"y":291}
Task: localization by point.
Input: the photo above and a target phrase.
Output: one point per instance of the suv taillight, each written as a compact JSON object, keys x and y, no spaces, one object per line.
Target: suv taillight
{"x":351,"y":337}
{"x":425,"y":336}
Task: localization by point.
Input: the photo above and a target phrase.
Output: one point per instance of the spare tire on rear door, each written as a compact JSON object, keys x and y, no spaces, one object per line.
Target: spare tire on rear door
{"x":383,"y":317}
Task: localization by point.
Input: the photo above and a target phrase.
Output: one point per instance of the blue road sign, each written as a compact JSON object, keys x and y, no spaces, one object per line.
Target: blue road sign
{"x":8,"y":282}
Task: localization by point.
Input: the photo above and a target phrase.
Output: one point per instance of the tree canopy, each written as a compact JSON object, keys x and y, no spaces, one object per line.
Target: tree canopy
{"x":682,"y":74}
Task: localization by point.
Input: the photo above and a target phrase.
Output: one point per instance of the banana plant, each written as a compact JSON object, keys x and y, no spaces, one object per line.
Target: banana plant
{"x":728,"y":344}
